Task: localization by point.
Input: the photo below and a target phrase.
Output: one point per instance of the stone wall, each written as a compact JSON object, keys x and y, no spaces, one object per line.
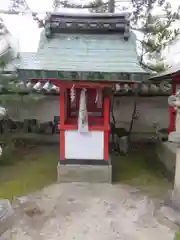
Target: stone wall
{"x":151,"y":110}
{"x":44,"y":110}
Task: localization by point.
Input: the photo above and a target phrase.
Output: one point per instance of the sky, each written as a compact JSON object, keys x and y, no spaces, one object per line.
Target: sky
{"x":25,"y":30}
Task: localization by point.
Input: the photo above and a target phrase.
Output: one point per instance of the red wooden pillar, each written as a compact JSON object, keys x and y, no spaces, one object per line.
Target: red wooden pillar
{"x":171,"y":119}
{"x":61,"y":125}
{"x":172,"y":113}
{"x":106,"y":128}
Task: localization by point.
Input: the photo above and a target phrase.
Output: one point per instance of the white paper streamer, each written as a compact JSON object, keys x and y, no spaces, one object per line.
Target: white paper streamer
{"x":117,"y":87}
{"x":98,"y":99}
{"x":1,"y":151}
{"x":37,"y":86}
{"x":29,"y":85}
{"x":73,"y":96}
{"x":3,"y":112}
{"x":47,"y":86}
{"x":83,"y":115}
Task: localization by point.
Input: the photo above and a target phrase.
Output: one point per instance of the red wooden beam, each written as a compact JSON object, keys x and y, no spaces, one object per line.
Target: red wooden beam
{"x":176,"y":78}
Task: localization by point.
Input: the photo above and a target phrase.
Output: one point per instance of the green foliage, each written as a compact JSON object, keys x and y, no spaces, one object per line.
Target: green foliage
{"x":158,"y":31}
{"x":17,"y":5}
{"x":158,"y":67}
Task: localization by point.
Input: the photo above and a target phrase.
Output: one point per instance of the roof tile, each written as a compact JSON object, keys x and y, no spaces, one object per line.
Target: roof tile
{"x":79,"y":52}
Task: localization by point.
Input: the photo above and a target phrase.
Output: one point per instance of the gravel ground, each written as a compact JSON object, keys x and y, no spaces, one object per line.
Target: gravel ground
{"x":87,"y":211}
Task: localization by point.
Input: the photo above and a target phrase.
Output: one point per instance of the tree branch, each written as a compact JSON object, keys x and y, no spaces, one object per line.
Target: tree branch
{"x":94,"y":4}
{"x":144,"y":65}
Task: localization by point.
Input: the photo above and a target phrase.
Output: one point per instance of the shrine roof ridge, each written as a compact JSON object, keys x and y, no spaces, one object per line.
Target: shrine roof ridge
{"x":88,"y":15}
{"x":91,"y":23}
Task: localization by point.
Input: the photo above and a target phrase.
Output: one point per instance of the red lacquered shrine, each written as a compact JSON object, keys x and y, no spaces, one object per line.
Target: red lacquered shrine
{"x":83,"y":56}
{"x":172,"y":75}
{"x":84,"y":122}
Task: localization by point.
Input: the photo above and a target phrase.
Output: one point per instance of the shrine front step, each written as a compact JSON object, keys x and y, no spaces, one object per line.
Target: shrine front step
{"x":84,"y":173}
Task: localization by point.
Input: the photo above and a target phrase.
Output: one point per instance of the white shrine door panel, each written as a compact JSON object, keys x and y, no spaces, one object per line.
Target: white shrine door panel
{"x":84,"y":145}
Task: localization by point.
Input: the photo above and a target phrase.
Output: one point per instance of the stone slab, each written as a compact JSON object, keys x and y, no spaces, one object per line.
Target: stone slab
{"x":84,"y":173}
{"x":173,"y":201}
{"x":6,"y":216}
{"x":174,"y":137}
{"x":166,"y":153}
{"x":169,"y":217}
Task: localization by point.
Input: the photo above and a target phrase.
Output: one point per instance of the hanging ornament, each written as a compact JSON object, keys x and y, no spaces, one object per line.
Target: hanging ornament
{"x":29,"y":85}
{"x":54,"y":88}
{"x":126,"y":87}
{"x":1,"y":151}
{"x":117,"y":87}
{"x":57,"y":89}
{"x":37,"y":86}
{"x":73,"y":96}
{"x":3,"y":112}
{"x":47,"y":86}
{"x":98,"y":99}
{"x":83,"y":114}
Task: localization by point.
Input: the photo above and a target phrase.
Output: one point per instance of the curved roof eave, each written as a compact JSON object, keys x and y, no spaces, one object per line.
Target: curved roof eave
{"x":172,"y":71}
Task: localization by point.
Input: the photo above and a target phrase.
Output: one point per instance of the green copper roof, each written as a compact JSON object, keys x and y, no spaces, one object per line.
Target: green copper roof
{"x":70,"y":52}
{"x":89,"y":56}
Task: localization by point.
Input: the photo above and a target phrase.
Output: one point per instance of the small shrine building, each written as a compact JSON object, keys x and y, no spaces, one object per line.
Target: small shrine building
{"x":172,"y":75}
{"x":81,"y":57}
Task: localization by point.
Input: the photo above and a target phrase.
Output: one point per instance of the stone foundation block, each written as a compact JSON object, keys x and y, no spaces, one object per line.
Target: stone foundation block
{"x":84,"y":173}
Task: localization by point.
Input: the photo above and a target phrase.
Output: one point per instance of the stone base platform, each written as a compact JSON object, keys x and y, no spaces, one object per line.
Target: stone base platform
{"x":6,"y":216}
{"x":166,"y":152}
{"x":84,"y":173}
